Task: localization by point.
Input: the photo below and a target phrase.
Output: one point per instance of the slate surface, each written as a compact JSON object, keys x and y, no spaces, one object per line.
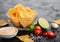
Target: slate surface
{"x":50,"y":14}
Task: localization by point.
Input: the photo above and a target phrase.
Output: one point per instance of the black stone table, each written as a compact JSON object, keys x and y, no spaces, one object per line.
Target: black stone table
{"x":50,"y":14}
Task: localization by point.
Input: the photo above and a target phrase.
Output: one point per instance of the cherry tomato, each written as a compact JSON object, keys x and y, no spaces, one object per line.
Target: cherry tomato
{"x":37,"y":30}
{"x":51,"y":34}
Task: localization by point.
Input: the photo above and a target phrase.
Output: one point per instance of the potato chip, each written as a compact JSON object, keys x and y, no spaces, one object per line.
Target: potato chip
{"x":25,"y":38}
{"x":28,"y":40}
{"x":57,"y":21}
{"x":20,"y":6}
{"x":3,"y":22}
{"x":13,"y":16}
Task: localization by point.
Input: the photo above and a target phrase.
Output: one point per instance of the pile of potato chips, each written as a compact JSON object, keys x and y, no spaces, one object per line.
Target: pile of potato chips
{"x":20,"y":15}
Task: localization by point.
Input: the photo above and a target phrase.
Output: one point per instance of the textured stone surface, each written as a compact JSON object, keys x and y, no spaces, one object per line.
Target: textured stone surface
{"x":50,"y":13}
